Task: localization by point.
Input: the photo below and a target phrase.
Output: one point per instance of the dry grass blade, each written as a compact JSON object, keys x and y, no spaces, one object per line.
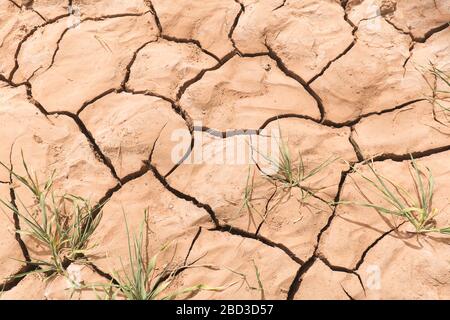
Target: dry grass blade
{"x":248,"y":199}
{"x":260,"y":284}
{"x":440,"y":98}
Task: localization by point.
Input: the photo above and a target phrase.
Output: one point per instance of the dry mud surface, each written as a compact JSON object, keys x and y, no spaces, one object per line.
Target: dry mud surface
{"x":95,"y":90}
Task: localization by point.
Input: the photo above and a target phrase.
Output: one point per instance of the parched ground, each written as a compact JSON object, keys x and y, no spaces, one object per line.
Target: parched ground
{"x":95,"y":90}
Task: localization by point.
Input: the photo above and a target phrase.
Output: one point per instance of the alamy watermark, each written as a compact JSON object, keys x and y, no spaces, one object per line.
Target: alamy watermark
{"x":74,"y":19}
{"x":233,"y":148}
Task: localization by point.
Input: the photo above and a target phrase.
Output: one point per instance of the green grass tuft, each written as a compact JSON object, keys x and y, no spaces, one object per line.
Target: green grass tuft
{"x":289,"y":173}
{"x":416,"y":207}
{"x":294,"y":173}
{"x":60,"y":224}
{"x":145,"y":280}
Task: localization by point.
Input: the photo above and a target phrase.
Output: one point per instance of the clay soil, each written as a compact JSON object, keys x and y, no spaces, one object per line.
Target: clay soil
{"x":95,"y":90}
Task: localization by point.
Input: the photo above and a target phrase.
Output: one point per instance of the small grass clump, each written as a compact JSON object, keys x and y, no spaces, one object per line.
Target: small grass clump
{"x":289,"y":173}
{"x":62,"y":225}
{"x":145,"y":280}
{"x":294,"y":174}
{"x":416,"y":208}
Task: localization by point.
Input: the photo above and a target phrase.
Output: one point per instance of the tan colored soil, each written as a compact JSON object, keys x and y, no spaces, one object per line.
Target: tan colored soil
{"x":170,"y":107}
{"x":233,"y":96}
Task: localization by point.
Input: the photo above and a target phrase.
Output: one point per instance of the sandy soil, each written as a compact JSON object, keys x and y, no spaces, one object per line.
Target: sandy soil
{"x":134,"y":103}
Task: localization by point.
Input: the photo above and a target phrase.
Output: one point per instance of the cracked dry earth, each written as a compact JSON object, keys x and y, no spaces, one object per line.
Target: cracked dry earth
{"x":95,"y":96}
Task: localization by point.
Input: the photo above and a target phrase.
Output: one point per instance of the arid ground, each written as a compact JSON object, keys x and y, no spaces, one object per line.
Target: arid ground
{"x":184,"y":108}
